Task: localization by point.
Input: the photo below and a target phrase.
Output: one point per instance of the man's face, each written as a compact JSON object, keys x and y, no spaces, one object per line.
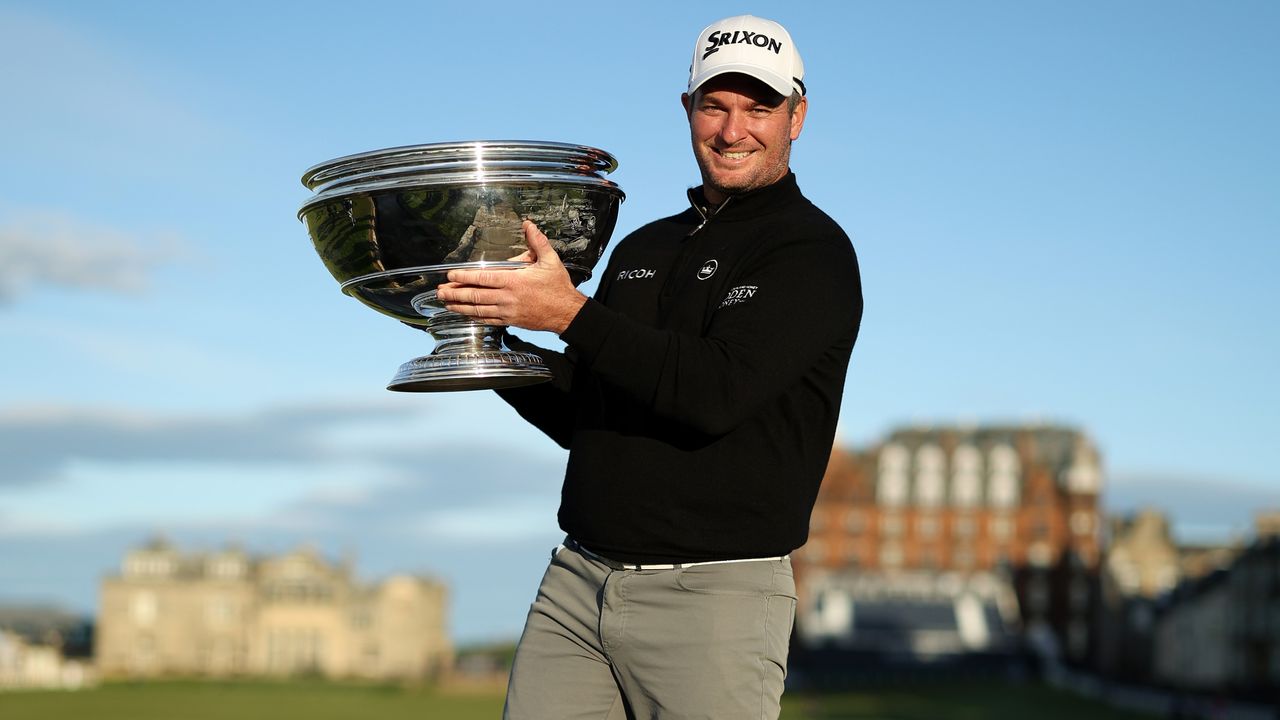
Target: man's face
{"x":741,"y":132}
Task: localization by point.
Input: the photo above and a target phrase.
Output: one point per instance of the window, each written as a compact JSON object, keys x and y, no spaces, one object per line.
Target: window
{"x":1001,"y":528}
{"x":227,"y":568}
{"x":1038,"y":594}
{"x":891,"y":487}
{"x":891,"y":555}
{"x":219,"y":611}
{"x":143,"y":608}
{"x":930,"y":485}
{"x":966,"y":482}
{"x":1041,"y":529}
{"x":891,"y":525}
{"x":1077,"y":638}
{"x":930,"y":559}
{"x":148,"y":565}
{"x":851,"y":556}
{"x":1082,"y":522}
{"x":927,"y":526}
{"x":1079,"y":594}
{"x":1083,"y":477}
{"x":1040,"y":555}
{"x":1004,"y":477}
{"x":854,"y":521}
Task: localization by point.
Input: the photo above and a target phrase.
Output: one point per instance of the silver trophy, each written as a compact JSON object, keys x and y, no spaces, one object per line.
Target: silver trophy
{"x":390,"y":224}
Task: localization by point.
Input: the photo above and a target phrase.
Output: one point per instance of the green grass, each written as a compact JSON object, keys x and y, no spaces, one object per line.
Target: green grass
{"x":192,"y":700}
{"x":308,"y":700}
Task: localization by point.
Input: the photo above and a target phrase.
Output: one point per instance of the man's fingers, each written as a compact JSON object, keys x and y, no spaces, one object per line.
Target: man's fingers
{"x":466,"y":295}
{"x":482,"y":278}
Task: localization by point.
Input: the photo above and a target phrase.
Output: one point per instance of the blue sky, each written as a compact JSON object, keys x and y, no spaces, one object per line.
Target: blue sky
{"x":1064,"y":211}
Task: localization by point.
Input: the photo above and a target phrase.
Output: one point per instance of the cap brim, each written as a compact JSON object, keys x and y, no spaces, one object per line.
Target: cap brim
{"x":782,"y":85}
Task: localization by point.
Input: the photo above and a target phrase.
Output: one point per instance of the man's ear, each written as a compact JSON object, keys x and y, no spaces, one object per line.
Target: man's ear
{"x":686,"y":100}
{"x":797,"y":117}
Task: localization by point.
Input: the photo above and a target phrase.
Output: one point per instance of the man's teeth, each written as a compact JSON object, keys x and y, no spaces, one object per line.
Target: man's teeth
{"x":735,"y":155}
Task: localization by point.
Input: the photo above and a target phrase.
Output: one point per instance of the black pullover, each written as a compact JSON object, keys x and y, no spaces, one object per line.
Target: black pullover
{"x":700,"y":388}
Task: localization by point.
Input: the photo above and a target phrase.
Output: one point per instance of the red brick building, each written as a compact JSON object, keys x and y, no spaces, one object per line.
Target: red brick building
{"x":1001,"y":520}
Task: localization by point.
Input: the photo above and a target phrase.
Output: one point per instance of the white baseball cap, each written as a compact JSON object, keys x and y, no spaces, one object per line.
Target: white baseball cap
{"x":749,"y":45}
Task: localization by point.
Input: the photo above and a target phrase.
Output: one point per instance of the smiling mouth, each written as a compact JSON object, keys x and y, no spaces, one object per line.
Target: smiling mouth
{"x":734,"y":155}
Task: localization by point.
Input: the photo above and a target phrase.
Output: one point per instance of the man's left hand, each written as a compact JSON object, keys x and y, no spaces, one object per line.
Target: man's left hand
{"x":540,"y":296}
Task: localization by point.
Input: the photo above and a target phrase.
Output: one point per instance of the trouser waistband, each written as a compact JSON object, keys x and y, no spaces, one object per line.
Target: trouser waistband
{"x":616,"y":565}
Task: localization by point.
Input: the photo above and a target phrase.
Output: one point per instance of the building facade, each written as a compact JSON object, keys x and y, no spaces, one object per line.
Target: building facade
{"x":229,"y":614}
{"x":1000,"y":522}
{"x":28,"y":665}
{"x":1191,"y":645}
{"x":1221,"y":632}
{"x":1253,"y":625}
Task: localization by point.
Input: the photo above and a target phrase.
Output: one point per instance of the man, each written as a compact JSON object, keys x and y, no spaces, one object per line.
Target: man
{"x":698,"y":397}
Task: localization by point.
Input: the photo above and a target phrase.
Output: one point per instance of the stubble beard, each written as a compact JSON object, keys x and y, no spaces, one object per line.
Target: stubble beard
{"x":762,"y":177}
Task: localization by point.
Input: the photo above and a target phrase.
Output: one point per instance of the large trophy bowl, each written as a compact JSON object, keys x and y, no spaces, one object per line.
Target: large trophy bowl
{"x":390,"y":224}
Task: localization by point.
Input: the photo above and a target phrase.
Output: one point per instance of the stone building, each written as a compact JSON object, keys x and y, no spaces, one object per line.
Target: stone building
{"x":226,"y":613}
{"x":1221,"y":632}
{"x":1253,"y":625}
{"x":1142,"y":563}
{"x":991,"y":530}
{"x":27,"y":665}
{"x":1142,"y":558}
{"x":1190,"y":644}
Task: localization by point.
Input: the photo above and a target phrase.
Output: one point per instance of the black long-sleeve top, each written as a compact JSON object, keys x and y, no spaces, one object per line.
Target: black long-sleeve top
{"x":700,"y":387}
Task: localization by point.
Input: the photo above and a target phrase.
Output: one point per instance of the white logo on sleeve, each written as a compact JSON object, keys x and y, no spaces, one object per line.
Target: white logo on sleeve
{"x":740,"y":294}
{"x":637,"y":274}
{"x":708,"y":269}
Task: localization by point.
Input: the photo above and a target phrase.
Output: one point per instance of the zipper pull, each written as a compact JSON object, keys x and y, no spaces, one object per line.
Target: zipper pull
{"x":706,"y":214}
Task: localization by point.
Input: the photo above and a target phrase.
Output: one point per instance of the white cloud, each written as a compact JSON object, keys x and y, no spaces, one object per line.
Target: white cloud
{"x":95,"y":495}
{"x":52,"y":249}
{"x":38,"y":444}
{"x":505,"y":521}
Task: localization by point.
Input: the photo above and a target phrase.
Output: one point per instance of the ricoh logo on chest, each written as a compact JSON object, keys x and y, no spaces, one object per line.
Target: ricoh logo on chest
{"x":717,"y":40}
{"x":740,"y":294}
{"x":637,"y":274}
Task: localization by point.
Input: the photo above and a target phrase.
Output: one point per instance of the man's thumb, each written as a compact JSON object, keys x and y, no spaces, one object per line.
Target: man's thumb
{"x":539,"y":244}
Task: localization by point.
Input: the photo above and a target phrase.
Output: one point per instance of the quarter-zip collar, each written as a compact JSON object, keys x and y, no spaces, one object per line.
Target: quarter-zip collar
{"x":748,"y":205}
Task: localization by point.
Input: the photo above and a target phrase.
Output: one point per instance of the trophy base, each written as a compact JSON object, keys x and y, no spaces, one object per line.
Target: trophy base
{"x":485,"y":370}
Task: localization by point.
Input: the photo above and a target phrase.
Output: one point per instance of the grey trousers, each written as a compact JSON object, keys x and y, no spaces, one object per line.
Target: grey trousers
{"x":701,"y":641}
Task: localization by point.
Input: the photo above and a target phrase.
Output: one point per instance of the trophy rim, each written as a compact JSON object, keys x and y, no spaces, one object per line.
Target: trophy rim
{"x":594,"y":159}
{"x":374,"y":183}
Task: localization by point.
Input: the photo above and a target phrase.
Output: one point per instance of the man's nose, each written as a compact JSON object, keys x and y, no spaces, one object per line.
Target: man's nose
{"x":733,"y":128}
